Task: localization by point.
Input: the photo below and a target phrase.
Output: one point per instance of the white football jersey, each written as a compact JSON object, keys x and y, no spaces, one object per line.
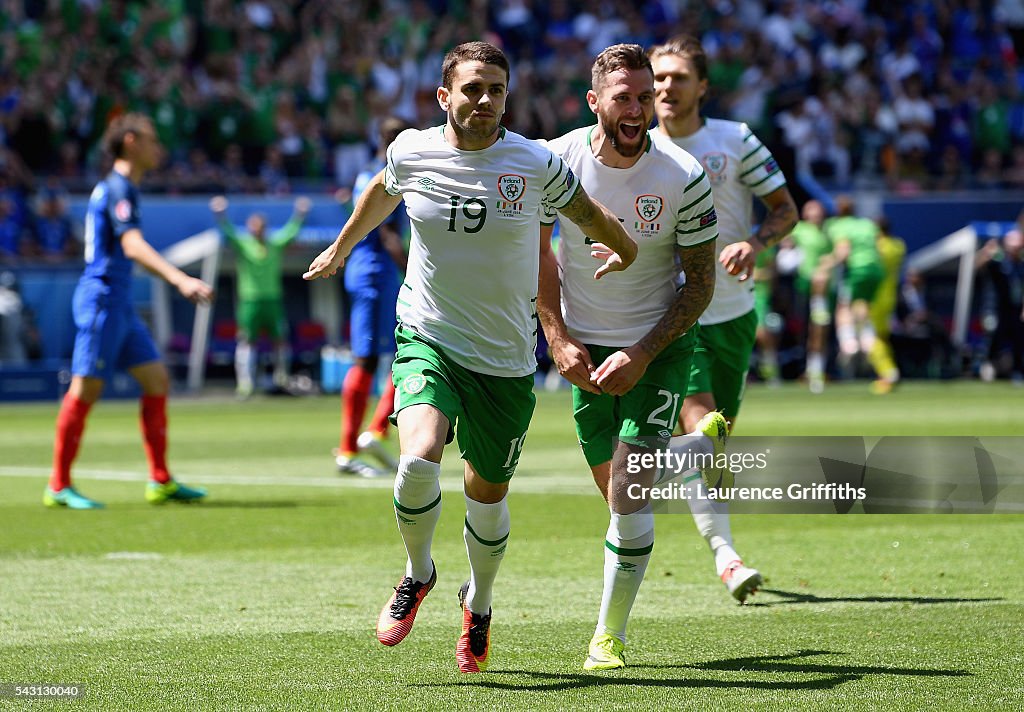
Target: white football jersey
{"x":738,"y":166}
{"x":471,"y":284}
{"x":662,"y":201}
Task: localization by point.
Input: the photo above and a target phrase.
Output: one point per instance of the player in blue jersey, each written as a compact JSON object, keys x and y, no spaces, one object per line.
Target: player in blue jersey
{"x":371,"y":282}
{"x":110,"y":334}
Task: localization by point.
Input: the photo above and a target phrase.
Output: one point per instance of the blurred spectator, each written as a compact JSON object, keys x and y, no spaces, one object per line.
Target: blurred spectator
{"x":273,"y":177}
{"x":899,"y":65}
{"x":346,"y":131}
{"x":920,"y":340}
{"x":990,"y":174}
{"x":1003,"y":266}
{"x":874,"y":127}
{"x":915,"y":115}
{"x":991,"y":127}
{"x":233,"y":175}
{"x":14,"y":242}
{"x":952,"y":175}
{"x":1015,"y":173}
{"x":12,"y":332}
{"x":31,"y":131}
{"x":55,"y":233}
{"x":1011,"y":14}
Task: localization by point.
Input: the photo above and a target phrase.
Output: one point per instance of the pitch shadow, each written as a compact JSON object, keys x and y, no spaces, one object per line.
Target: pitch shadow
{"x":261,"y":504}
{"x":792,"y":597}
{"x":832,"y":675}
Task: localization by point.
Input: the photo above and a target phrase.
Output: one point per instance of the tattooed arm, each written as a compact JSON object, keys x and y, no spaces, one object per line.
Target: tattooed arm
{"x":621,"y":371}
{"x":599,"y":224}
{"x":781,"y":219}
{"x":570,"y":356}
{"x":738,"y":258}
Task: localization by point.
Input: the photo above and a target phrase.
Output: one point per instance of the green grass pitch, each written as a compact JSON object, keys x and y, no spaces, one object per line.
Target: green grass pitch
{"x":265,"y":597}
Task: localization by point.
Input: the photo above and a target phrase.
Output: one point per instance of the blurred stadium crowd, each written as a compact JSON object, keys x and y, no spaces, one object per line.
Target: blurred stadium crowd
{"x":254,"y":96}
{"x":282,"y":96}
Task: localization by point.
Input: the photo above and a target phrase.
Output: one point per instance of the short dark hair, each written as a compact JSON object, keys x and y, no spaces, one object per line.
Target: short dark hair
{"x":687,"y":46}
{"x":390,"y":128}
{"x":388,"y":131}
{"x":121,"y":126}
{"x":616,"y":57}
{"x":472,"y":52}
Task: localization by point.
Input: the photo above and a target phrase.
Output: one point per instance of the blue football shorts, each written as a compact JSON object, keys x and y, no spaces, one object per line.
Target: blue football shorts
{"x":110,"y":334}
{"x":372,"y":320}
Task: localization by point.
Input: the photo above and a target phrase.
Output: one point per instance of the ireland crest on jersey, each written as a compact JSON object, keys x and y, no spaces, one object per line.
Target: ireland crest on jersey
{"x":648,"y":208}
{"x":511,"y":188}
{"x":714,"y":164}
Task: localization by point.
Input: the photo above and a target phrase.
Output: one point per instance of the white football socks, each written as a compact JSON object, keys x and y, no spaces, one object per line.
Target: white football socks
{"x":244,"y":365}
{"x":486,"y":533}
{"x":627,"y":552}
{"x":712,"y":520}
{"x":417,"y":509}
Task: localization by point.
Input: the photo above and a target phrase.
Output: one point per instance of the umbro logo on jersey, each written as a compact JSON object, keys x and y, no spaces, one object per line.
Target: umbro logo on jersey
{"x":427,"y":183}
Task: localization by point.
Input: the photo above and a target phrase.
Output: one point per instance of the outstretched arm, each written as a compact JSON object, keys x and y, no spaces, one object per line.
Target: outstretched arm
{"x":136,"y":248}
{"x":373,"y":206}
{"x":219,"y":208}
{"x":599,"y":224}
{"x":570,"y":357}
{"x":290,"y":230}
{"x":621,"y":371}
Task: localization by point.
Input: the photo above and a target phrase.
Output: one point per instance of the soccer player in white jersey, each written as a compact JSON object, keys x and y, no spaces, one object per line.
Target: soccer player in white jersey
{"x":625,"y":342}
{"x":467,"y":319}
{"x":738,"y":166}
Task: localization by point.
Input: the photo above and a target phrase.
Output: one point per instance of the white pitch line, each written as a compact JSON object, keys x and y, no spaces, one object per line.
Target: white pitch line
{"x":544,"y":484}
{"x":536,"y":484}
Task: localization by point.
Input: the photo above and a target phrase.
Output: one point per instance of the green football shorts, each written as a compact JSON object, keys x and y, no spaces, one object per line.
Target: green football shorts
{"x":646,"y":415}
{"x":261,"y":315}
{"x":721,"y":360}
{"x":861,"y":284}
{"x":489,"y":414}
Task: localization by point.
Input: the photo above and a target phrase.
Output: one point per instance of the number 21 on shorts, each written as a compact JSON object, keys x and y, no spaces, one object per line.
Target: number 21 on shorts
{"x":671,"y":404}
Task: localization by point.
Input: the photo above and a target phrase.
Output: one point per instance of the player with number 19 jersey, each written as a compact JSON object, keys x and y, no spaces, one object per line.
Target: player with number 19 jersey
{"x":471,"y":286}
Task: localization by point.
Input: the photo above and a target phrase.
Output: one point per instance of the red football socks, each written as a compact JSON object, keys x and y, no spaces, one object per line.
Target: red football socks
{"x":385,"y":407}
{"x":70,"y":425}
{"x":153,"y":421}
{"x":355,"y":392}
